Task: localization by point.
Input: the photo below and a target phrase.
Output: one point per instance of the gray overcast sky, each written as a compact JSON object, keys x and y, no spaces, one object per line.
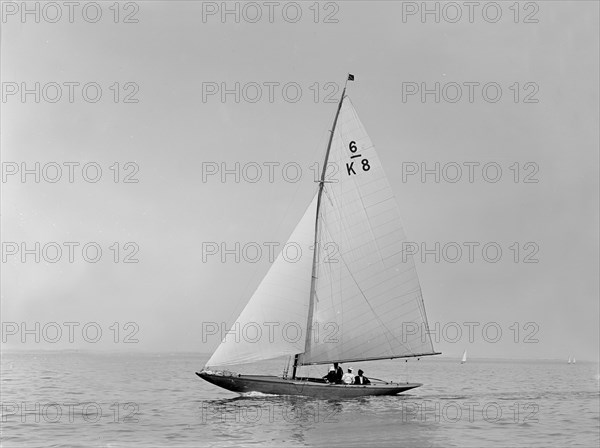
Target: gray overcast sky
{"x":171,"y":54}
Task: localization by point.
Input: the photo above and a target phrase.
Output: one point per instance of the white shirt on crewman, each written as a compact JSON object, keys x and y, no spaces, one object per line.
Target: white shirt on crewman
{"x":348,"y":378}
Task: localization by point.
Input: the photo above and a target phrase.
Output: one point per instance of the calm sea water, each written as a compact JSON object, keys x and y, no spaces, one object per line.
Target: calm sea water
{"x":86,"y":399}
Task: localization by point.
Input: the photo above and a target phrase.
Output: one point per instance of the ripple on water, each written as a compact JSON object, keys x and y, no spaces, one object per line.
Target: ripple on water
{"x":176,"y":408}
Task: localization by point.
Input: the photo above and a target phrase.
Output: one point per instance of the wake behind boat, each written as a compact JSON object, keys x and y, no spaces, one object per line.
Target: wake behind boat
{"x":353,"y":281}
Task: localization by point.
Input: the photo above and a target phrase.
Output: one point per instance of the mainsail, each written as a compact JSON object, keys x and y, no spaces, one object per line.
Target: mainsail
{"x":273,"y":323}
{"x":367,"y":297}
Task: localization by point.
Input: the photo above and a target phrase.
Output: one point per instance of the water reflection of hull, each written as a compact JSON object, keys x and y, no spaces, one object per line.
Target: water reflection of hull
{"x":310,"y":387}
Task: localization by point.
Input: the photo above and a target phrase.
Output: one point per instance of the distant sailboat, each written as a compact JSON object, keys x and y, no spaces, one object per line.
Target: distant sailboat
{"x":574,"y":361}
{"x":569,"y":361}
{"x":364,"y":294}
{"x":464,"y":358}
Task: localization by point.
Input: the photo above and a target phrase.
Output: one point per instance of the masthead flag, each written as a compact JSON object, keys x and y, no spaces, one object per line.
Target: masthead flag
{"x":350,"y":77}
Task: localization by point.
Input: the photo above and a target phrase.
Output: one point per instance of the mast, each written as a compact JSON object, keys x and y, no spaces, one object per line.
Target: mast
{"x":311,"y":303}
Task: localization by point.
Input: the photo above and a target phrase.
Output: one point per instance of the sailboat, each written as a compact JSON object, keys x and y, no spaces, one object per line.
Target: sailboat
{"x":351,"y":295}
{"x":464,"y":357}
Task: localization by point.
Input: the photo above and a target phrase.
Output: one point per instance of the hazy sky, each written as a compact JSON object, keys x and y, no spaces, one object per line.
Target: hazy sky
{"x":174,"y":58}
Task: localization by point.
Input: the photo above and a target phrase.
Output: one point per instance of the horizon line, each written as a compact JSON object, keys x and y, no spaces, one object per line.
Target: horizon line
{"x":187,"y":352}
